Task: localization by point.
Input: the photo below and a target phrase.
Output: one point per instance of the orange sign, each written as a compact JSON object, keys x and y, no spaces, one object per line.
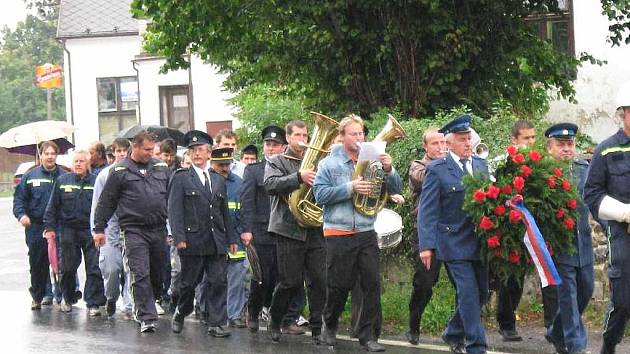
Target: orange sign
{"x":48,"y":76}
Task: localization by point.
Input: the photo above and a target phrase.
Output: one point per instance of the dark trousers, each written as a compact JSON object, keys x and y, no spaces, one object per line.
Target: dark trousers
{"x":471,"y":287}
{"x":144,"y":249}
{"x":261,"y":293}
{"x":357,"y":310}
{"x":73,"y":242}
{"x":295,"y":258}
{"x":349,"y":257}
{"x":423,"y":282}
{"x":618,"y":312}
{"x":509,"y":296}
{"x":214,"y":268}
{"x":37,"y":260}
{"x":574,"y":292}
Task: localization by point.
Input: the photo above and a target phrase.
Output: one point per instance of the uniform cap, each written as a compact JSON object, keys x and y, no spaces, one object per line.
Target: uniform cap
{"x":275,"y":133}
{"x":460,"y":124}
{"x":197,"y":137}
{"x":562,"y":131}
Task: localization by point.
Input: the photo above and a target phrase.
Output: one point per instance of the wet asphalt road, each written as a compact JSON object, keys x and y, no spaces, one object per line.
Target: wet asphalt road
{"x":50,"y":331}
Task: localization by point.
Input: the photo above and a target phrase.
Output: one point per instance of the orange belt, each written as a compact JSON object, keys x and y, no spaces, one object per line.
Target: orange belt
{"x":336,"y":232}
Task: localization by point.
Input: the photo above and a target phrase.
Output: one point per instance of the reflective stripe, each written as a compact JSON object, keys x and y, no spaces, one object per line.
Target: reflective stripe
{"x":39,"y":180}
{"x":120,"y":168}
{"x":162,"y":164}
{"x":67,"y":186}
{"x":615,"y":149}
{"x":234,"y":205}
{"x":237,"y":255}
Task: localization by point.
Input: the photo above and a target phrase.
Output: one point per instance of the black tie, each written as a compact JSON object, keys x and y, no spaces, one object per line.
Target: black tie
{"x":464,"y":164}
{"x":207,"y":185}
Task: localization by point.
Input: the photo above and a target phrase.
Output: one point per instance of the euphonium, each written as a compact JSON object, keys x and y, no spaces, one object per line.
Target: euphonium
{"x":372,"y":171}
{"x":301,"y":201}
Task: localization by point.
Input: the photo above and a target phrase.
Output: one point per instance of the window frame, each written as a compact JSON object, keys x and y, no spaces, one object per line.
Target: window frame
{"x":545,"y":19}
{"x":119,"y":112}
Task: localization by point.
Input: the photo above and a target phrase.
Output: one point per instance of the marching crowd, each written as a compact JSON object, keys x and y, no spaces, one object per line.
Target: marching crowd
{"x":171,"y":235}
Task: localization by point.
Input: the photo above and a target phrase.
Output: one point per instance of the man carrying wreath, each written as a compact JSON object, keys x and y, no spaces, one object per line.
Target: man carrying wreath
{"x":445,"y":231}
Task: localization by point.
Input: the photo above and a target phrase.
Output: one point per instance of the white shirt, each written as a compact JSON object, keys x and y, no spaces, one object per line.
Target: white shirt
{"x":200,"y":173}
{"x":457,"y":159}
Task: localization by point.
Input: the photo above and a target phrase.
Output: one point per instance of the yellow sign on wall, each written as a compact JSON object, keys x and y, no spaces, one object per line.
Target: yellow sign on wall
{"x":48,"y":76}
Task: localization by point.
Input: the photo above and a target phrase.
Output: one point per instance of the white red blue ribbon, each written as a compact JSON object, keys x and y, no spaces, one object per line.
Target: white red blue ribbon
{"x":536,"y":246}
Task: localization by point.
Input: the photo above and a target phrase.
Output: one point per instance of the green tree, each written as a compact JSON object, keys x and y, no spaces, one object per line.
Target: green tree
{"x":32,"y":43}
{"x":420,"y":56}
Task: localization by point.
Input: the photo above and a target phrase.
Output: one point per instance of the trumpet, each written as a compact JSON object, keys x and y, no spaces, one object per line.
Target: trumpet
{"x":479,"y":149}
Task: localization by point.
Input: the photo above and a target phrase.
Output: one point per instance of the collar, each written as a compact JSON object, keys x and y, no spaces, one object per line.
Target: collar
{"x":290,"y":154}
{"x":457,"y":158}
{"x":199,"y":170}
{"x":623,"y":138}
{"x":79,"y":178}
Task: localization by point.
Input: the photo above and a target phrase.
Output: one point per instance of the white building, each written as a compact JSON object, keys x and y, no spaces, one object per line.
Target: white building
{"x":583,"y":28}
{"x":111,"y":84}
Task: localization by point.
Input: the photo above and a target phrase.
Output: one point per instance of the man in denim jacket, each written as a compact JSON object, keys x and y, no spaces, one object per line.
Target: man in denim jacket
{"x":351,"y":245}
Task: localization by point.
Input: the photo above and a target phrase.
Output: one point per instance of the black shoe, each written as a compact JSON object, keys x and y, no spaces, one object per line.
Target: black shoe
{"x":110,"y":308}
{"x":177,"y":323}
{"x":252,"y":324}
{"x":274,"y":332}
{"x":607,"y":348}
{"x":316,"y":334}
{"x":373,"y":346}
{"x":218,"y":332}
{"x":560,"y":349}
{"x":412,"y":338}
{"x":510,"y":335}
{"x":455,"y":347}
{"x":237,"y":323}
{"x":147,"y":326}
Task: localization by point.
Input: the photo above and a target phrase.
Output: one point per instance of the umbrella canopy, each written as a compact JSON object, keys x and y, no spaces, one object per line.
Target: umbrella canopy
{"x":160,"y":132}
{"x":52,"y":256}
{"x":23,"y":139}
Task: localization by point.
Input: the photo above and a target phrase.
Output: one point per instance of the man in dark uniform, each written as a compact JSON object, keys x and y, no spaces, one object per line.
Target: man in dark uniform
{"x":567,"y":331}
{"x":29,"y":203}
{"x":607,"y":193}
{"x":300,"y":250}
{"x":446,"y":232}
{"x":424,"y":278}
{"x":202,"y":230}
{"x":69,"y":210}
{"x":255,"y":210}
{"x":136,"y":190}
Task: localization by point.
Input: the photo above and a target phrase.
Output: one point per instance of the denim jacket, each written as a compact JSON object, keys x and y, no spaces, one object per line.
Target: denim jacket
{"x":333,"y":192}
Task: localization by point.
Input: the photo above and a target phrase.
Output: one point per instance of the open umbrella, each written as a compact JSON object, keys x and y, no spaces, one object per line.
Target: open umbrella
{"x":160,"y":132}
{"x":254,"y":263}
{"x":23,"y":139}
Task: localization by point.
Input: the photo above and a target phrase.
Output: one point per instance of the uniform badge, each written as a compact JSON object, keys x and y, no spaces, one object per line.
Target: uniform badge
{"x":565,"y":132}
{"x":194,"y":138}
{"x":67,"y":189}
{"x":273,"y":134}
{"x":36,"y":184}
{"x":143,"y":171}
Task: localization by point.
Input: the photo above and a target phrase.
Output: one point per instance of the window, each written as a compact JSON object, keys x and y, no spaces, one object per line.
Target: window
{"x":556,"y":27}
{"x":175,"y":107}
{"x":117,"y":103}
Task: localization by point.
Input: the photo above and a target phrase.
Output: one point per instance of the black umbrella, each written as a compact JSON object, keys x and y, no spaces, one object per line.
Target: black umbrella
{"x":254,"y":263}
{"x":160,"y":133}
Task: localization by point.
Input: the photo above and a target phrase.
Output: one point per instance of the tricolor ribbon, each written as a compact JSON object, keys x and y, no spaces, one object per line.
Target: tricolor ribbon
{"x":536,"y":245}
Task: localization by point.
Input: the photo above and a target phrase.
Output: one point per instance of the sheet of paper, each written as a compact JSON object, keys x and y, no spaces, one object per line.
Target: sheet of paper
{"x":371,"y":150}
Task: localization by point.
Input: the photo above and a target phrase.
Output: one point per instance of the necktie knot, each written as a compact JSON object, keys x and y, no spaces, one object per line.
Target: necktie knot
{"x":465,"y":163}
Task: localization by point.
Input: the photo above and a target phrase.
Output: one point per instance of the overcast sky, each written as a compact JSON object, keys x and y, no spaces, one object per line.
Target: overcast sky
{"x":12,"y":12}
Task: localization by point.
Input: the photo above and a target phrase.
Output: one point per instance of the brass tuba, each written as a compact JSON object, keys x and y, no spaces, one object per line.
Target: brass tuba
{"x":372,"y":171}
{"x":301,"y":201}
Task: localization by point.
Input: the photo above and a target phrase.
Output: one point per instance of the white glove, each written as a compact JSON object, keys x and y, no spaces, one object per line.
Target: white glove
{"x":612,"y":209}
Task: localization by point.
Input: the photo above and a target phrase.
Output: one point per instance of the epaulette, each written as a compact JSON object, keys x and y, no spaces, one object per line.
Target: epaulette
{"x":581,"y":162}
{"x":119,"y":168}
{"x":291,"y":157}
{"x":181,"y":169}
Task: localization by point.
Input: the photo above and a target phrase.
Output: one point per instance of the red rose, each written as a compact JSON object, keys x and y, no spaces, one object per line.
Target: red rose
{"x":518,"y":158}
{"x":549,"y":248}
{"x":572,"y":204}
{"x":569,"y":223}
{"x":557,"y":172}
{"x":525,"y":171}
{"x":519,"y":183}
{"x":499,"y":210}
{"x":514,"y":257}
{"x":560,"y":213}
{"x":534,"y":156}
{"x":506,"y":189}
{"x":512,"y":150}
{"x":494,"y":242}
{"x":566,"y":185}
{"x":551,"y":182}
{"x":515,"y":216}
{"x":493,"y":192}
{"x":479,"y":196}
{"x":486,"y":224}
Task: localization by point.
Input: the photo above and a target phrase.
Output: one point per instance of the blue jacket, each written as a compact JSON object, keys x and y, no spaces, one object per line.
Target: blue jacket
{"x":583,"y":244}
{"x":70,"y":202}
{"x":32,"y":194}
{"x":233,"y":184}
{"x":333,"y":192}
{"x":443,"y":226}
